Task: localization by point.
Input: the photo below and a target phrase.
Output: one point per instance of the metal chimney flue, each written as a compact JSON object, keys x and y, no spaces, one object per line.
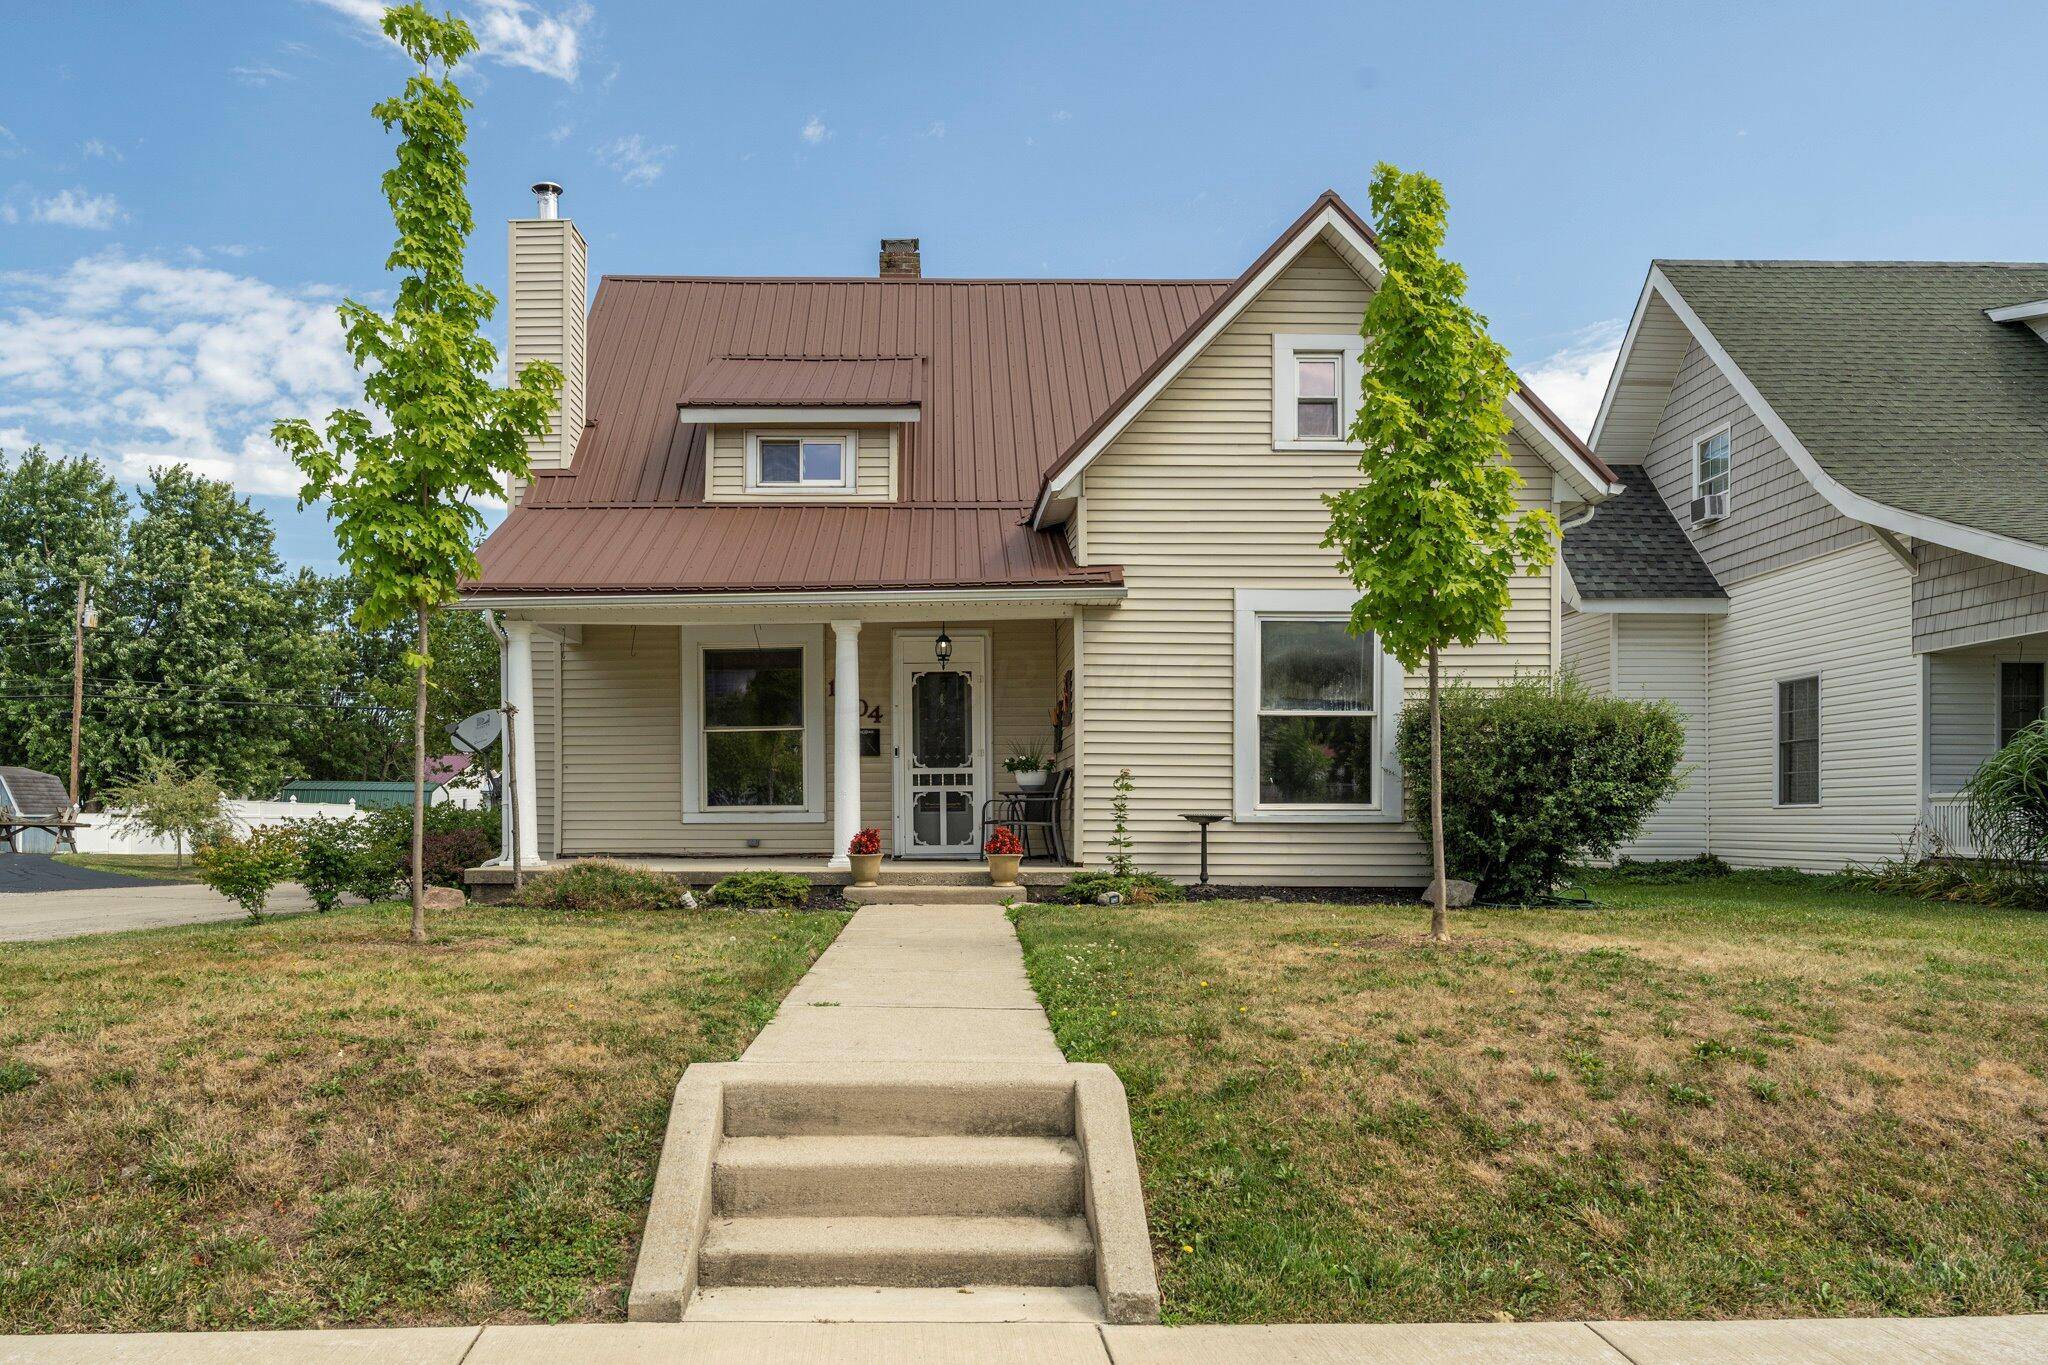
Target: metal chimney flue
{"x":547,"y":198}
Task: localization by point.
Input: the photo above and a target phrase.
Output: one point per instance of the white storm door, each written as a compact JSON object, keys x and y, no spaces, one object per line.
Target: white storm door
{"x":941,"y":744}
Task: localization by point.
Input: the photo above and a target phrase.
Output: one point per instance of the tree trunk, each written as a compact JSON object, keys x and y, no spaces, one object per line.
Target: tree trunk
{"x":419,"y":790}
{"x":1439,"y":909}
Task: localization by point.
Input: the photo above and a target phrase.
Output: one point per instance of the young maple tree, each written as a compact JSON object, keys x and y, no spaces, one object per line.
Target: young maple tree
{"x":402,"y":500}
{"x":1432,"y":536}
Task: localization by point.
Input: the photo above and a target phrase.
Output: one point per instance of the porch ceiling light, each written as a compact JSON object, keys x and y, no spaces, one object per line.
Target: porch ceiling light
{"x":943,"y":646}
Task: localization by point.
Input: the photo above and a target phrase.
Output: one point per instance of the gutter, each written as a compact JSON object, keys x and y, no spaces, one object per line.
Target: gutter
{"x":1089,"y":595}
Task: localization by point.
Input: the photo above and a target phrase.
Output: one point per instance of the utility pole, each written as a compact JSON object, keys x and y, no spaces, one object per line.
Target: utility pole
{"x":78,"y":625}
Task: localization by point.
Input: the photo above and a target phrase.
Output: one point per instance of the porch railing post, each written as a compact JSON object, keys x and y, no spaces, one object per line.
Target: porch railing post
{"x":845,"y":740}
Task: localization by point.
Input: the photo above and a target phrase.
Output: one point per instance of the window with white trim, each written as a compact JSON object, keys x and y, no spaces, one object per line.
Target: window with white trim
{"x":1799,"y":742}
{"x":2021,"y":696}
{"x":1312,"y":738}
{"x":753,"y":703}
{"x":816,"y":461}
{"x":1315,"y":390}
{"x":1711,"y":462}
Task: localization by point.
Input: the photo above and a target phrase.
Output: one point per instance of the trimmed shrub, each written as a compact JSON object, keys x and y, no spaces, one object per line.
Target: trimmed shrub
{"x":334,"y":859}
{"x":446,"y":854}
{"x":388,"y":844}
{"x":1138,"y":888}
{"x":244,"y":868}
{"x":760,"y":891}
{"x":600,"y":884}
{"x":1539,"y":774}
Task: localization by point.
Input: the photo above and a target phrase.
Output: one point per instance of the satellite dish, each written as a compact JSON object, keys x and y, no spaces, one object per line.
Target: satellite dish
{"x":478,"y":732}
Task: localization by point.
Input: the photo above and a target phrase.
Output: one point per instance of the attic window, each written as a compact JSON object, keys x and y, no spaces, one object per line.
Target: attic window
{"x":1315,"y":395}
{"x":798,"y":461}
{"x":1315,"y":390}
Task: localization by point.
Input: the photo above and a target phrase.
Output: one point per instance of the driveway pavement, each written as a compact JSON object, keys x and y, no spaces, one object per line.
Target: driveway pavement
{"x":124,"y":903}
{"x":27,"y":872}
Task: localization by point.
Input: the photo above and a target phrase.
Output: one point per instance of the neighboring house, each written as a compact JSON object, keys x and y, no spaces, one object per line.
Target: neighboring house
{"x":442,"y":789}
{"x":767,"y":502}
{"x":1833,"y":552}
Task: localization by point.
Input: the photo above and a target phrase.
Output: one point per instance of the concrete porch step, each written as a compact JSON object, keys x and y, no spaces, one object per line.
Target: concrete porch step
{"x":898,"y":1176}
{"x":869,"y":1303}
{"x":891,"y":893}
{"x":904,"y":1253}
{"x":907,"y":1101}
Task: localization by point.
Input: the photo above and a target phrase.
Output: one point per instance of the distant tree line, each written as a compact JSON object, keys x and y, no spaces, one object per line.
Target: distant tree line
{"x":207,"y":651}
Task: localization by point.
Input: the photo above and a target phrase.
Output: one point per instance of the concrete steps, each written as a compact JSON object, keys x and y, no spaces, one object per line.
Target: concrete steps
{"x":870,"y":1303}
{"x":936,"y":894}
{"x":897,"y":1176}
{"x":919,"y":1252}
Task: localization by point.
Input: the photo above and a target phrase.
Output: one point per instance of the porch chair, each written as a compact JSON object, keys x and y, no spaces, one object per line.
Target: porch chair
{"x":1024,"y":812}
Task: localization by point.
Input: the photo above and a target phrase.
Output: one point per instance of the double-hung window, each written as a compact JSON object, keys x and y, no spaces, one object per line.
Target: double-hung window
{"x":1315,"y":390}
{"x":753,"y":723}
{"x":800,"y":461}
{"x":2020,"y":696}
{"x":1711,"y":456}
{"x":1799,"y":742}
{"x":1312,"y":708}
{"x":1315,"y":395}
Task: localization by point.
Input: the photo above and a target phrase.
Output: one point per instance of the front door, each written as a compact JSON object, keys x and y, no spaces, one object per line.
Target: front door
{"x":941,"y":746}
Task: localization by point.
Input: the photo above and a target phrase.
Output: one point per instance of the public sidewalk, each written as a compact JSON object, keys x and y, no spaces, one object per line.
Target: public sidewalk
{"x":1891,"y":1341}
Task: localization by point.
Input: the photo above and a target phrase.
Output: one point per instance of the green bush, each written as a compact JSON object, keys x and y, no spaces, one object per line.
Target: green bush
{"x":1956,"y":881}
{"x":600,"y":884}
{"x":1539,"y":774}
{"x":334,"y":859}
{"x":388,"y":839}
{"x":244,"y":868}
{"x":2009,"y":799}
{"x":1139,"y":888}
{"x":1701,"y":867}
{"x":760,"y":891}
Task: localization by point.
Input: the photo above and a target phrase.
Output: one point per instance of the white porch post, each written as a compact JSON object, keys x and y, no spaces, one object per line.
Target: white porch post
{"x":519,"y":695}
{"x":845,"y":739}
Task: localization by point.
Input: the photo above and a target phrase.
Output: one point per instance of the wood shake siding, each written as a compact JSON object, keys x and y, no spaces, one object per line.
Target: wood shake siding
{"x":1960,"y":599}
{"x":622,"y":713}
{"x":1775,"y":517}
{"x":1195,"y":503}
{"x":874,"y":470}
{"x":1848,"y":618}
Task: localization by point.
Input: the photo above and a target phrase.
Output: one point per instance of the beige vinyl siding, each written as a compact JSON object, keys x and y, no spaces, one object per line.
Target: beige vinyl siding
{"x":1775,"y":517}
{"x":1195,"y":503}
{"x":544,"y":733}
{"x":874,"y":469}
{"x":1847,"y":617}
{"x":546,"y":319}
{"x":1962,"y":707}
{"x":1664,"y":658}
{"x":622,"y":713}
{"x":1587,"y":649}
{"x":1961,"y":599}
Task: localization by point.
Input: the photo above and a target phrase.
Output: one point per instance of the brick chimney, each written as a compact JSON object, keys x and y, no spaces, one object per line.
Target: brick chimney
{"x":547,"y":317}
{"x":899,"y":259}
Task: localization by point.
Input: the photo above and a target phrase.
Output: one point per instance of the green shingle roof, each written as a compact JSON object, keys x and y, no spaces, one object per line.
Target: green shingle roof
{"x":1889,"y":373}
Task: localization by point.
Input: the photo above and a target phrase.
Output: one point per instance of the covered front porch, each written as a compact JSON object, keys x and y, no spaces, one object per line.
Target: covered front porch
{"x":1978,"y":698}
{"x":493,"y":881}
{"x":705,"y":738}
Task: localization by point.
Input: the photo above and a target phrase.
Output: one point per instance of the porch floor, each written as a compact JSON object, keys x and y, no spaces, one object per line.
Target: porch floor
{"x":702,"y":871}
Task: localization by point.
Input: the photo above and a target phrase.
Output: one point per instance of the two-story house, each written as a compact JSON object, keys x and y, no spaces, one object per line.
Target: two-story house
{"x":1832,"y":554}
{"x":804,"y":555}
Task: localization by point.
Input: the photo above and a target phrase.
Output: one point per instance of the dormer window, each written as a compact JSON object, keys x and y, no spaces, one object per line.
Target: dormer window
{"x":810,"y":461}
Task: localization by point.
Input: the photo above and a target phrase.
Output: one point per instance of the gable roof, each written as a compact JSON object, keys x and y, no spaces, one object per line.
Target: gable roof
{"x":25,"y":791}
{"x":1885,"y":381}
{"x":1332,"y":220}
{"x":1633,"y":550}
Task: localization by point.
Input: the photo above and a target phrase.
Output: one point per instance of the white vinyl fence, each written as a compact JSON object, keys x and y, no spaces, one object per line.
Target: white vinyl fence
{"x":103,"y":834}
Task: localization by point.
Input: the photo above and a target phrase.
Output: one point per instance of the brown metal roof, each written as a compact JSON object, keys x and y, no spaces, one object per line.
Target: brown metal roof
{"x":731,"y":381}
{"x":755,"y":547}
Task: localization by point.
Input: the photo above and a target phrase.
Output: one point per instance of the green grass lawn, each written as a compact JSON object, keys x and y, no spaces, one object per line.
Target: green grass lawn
{"x":159,"y":866}
{"x":1749,"y":1097}
{"x":311,"y":1122}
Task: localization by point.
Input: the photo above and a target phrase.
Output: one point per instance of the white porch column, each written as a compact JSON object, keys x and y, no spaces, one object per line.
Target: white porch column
{"x":845,"y":739}
{"x":519,"y":694}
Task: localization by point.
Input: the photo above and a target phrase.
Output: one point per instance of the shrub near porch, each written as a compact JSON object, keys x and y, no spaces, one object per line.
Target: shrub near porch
{"x":1747,"y":1098}
{"x":312,"y":1122}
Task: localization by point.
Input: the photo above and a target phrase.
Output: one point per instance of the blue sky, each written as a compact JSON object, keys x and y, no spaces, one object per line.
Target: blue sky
{"x":186,"y":190}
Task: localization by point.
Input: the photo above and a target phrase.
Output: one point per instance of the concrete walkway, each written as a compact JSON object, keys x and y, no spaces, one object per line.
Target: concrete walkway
{"x":140,"y":905}
{"x":1851,"y":1341}
{"x":909,"y":983}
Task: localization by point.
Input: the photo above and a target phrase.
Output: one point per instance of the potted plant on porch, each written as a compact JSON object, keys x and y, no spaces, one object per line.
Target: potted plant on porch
{"x":1029,"y":765}
{"x":864,"y":851}
{"x":1004,"y":854}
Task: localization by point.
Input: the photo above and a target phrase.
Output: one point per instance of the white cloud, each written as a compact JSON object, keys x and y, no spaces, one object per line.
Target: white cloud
{"x":258,"y":74}
{"x":559,"y":134}
{"x":146,"y":363}
{"x":76,"y":208}
{"x":814,"y":130}
{"x":514,"y":32}
{"x":935,"y":129}
{"x":637,"y":161}
{"x":94,"y":149}
{"x":10,"y":145}
{"x":1573,"y":379}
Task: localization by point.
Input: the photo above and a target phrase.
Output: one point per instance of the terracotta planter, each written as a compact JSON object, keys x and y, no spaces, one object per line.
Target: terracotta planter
{"x":1032,"y":781}
{"x":1002,"y":868}
{"x":867,"y":868}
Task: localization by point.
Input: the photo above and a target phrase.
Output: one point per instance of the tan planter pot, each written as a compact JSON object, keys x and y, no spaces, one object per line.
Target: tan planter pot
{"x":867,"y":868}
{"x":1002,"y":868}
